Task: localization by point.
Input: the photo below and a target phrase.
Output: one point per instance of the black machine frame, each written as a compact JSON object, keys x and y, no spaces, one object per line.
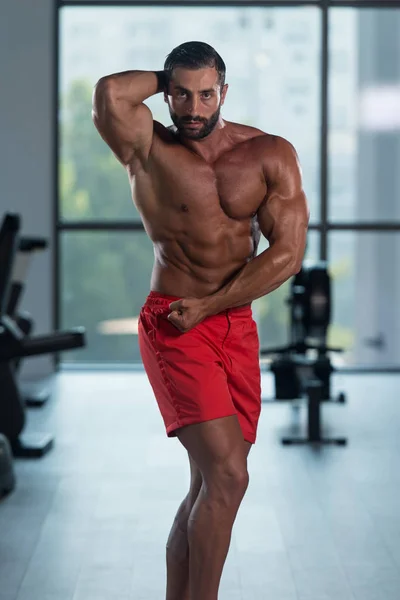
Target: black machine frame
{"x":324,"y":226}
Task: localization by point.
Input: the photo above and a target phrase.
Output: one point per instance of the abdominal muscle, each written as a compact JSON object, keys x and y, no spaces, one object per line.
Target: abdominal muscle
{"x":198,"y":250}
{"x":185,"y":270}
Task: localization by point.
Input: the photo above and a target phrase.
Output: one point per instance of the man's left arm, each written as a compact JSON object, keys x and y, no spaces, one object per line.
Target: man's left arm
{"x":283,"y":219}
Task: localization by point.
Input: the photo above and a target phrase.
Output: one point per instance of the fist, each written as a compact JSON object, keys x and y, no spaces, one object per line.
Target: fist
{"x":187,"y":313}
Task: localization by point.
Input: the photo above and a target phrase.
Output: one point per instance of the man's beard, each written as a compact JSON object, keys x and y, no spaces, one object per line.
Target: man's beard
{"x":195,"y":134}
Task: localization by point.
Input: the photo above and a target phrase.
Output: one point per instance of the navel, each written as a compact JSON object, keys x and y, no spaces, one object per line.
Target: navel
{"x":184,"y":208}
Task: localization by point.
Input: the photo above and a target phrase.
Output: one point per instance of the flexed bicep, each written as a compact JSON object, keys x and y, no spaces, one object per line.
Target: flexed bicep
{"x":283,"y":215}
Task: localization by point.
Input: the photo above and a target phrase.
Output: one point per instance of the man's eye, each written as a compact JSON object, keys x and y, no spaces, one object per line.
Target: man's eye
{"x":181,"y":94}
{"x":207,"y":96}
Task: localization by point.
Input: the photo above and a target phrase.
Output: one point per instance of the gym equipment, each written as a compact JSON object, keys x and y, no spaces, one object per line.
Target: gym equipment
{"x":7,"y":474}
{"x":14,"y":344}
{"x":26,"y":248}
{"x":303,"y":368}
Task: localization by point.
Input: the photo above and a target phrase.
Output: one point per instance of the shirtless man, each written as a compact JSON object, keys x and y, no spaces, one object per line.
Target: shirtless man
{"x":205,"y":189}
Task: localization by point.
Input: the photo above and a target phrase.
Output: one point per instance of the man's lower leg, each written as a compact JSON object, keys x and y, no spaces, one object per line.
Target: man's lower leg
{"x":178,"y":556}
{"x":209,"y":535}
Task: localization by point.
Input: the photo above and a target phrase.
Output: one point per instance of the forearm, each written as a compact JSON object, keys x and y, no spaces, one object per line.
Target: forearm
{"x":133,"y":86}
{"x":259,"y":277}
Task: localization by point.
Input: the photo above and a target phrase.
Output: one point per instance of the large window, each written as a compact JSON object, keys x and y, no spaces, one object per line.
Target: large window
{"x":275,"y":57}
{"x":272,"y":61}
{"x":364,"y":148}
{"x":364,"y":183}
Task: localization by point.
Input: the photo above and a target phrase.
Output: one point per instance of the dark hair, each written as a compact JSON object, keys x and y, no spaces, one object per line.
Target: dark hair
{"x":195,"y":55}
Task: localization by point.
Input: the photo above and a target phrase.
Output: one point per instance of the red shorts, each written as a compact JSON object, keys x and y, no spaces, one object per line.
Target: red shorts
{"x":212,"y":371}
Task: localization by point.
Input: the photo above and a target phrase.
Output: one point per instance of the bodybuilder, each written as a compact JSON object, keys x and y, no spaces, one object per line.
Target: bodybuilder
{"x":206,"y":190}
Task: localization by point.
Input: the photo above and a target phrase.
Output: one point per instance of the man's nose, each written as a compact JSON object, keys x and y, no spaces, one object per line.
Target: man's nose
{"x":193,"y":105}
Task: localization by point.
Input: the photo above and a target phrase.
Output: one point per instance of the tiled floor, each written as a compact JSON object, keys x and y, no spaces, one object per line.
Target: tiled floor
{"x":90,"y":520}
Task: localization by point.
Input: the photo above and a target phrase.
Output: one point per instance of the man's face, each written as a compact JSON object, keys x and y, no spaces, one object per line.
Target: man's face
{"x":194,"y":99}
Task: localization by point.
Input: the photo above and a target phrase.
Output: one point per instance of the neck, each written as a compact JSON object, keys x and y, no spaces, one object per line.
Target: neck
{"x":210,"y":146}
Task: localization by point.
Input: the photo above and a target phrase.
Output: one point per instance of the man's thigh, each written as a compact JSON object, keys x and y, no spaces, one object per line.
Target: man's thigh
{"x":214,"y":442}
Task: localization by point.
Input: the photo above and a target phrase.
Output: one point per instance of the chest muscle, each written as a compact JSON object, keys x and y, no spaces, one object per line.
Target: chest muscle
{"x":231,"y":188}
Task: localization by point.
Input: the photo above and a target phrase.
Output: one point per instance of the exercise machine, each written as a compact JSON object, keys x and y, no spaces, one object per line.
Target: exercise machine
{"x":14,"y":345}
{"x":7,"y":473}
{"x":35,"y":396}
{"x":302,"y":368}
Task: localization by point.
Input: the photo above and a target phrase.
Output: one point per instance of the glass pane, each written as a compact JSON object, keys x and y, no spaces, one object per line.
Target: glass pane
{"x":105,"y":280}
{"x":364,"y":141}
{"x":366,"y":297}
{"x":272,"y":57}
{"x":272,"y":312}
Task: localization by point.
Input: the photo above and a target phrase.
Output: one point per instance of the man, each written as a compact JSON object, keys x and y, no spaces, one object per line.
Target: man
{"x":205,"y":189}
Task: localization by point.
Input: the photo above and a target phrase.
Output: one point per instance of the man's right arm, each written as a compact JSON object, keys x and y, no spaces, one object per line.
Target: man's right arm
{"x":123,"y":121}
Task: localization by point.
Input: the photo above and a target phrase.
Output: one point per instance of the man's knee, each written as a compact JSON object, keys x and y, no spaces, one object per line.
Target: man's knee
{"x":217,"y":448}
{"x":227,"y":481}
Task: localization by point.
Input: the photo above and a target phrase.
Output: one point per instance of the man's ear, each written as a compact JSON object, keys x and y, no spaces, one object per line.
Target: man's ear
{"x":166,"y":96}
{"x":224,"y":92}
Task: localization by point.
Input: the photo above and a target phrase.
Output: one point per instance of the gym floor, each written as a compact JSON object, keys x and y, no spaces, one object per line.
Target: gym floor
{"x":90,"y":520}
